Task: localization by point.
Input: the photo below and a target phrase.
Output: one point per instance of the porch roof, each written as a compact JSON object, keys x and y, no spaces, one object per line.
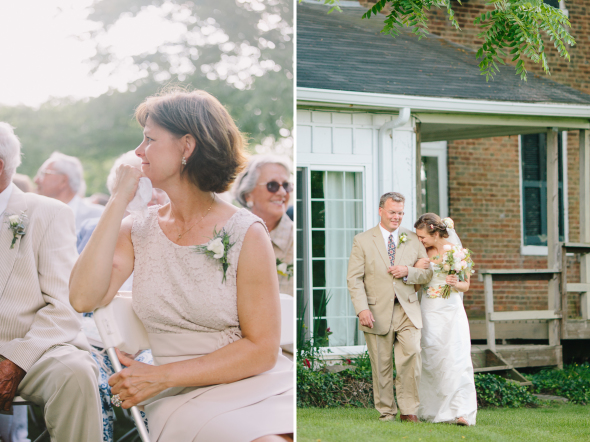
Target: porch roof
{"x":342,"y":52}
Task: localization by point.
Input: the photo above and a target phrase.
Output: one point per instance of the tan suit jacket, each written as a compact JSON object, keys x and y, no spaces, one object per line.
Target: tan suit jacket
{"x":371,"y":287}
{"x":35,"y":312}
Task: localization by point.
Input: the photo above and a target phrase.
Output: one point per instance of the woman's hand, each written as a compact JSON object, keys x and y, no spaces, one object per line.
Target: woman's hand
{"x":137,"y":382}
{"x":126,"y":182}
{"x":422,"y":263}
{"x":452,"y":280}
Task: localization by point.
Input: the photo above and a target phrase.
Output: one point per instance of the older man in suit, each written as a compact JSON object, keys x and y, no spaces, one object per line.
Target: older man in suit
{"x":62,"y":177}
{"x":43,"y":352}
{"x":381,"y":280}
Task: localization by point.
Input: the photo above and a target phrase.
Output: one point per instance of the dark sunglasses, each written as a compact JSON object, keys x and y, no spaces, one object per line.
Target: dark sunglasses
{"x":274,"y":186}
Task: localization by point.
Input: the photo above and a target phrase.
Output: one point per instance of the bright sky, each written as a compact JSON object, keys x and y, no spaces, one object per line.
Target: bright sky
{"x":45,"y":45}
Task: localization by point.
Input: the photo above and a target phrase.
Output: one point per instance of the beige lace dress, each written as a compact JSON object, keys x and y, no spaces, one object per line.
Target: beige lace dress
{"x":189,"y":312}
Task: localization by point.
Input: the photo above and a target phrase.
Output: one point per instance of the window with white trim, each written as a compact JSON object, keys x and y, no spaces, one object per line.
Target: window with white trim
{"x":533,"y":154}
{"x":334,"y":204}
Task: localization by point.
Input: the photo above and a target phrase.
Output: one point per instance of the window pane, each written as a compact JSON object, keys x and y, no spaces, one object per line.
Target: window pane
{"x":317,"y":184}
{"x":318,"y":212}
{"x":337,"y":215}
{"x":334,"y":186}
{"x":318,"y":244}
{"x":430,"y":189}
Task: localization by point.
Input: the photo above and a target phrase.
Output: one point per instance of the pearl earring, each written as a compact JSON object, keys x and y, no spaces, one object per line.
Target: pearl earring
{"x":250,"y":204}
{"x":183,"y":161}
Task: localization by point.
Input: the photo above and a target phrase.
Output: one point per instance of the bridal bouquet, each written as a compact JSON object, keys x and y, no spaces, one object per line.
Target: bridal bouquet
{"x":455,"y":261}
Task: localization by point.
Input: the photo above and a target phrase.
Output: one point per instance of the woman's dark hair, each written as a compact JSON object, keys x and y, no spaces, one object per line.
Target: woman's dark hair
{"x":219,"y":154}
{"x":431,"y":222}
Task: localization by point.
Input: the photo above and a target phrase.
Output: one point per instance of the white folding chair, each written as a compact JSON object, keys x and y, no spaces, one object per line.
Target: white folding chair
{"x":119,"y":327}
{"x":287,"y":319}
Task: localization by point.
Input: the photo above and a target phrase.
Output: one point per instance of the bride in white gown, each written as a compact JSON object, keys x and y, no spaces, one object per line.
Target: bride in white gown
{"x":447,"y":388}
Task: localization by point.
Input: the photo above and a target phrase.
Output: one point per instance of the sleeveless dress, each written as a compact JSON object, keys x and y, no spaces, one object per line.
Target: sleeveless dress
{"x":447,"y":387}
{"x":188,"y":312}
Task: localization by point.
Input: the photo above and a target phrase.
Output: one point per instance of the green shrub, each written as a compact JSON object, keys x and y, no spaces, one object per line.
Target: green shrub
{"x":493,"y":390}
{"x":573,"y":382}
{"x":323,"y":389}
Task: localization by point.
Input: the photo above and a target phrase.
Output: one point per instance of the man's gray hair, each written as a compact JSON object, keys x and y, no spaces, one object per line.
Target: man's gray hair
{"x":70,"y":167}
{"x":9,"y":149}
{"x":247,"y":180}
{"x":128,"y":158}
{"x":397,"y":197}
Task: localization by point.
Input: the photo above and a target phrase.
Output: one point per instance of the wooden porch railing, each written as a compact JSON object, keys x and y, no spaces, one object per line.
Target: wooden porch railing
{"x":583,"y":287}
{"x":552,"y":315}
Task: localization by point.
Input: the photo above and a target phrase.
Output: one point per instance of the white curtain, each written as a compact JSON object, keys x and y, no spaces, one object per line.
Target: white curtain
{"x":343,"y":221}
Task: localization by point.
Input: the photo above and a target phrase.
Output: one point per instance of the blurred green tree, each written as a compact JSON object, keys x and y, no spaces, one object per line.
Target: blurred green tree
{"x":240,"y":51}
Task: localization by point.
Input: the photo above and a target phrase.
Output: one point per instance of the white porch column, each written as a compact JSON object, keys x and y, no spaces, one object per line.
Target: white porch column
{"x":585,"y":216}
{"x":553,"y":256}
{"x":397,"y":167}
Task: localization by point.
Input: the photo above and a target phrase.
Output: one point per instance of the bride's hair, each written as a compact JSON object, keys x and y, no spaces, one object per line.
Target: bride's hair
{"x":431,"y":222}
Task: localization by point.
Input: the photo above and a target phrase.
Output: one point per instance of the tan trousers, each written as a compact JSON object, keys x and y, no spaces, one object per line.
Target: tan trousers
{"x":404,"y":338}
{"x":64,"y":381}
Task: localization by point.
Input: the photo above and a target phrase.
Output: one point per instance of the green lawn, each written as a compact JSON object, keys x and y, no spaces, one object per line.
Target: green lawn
{"x":562,"y":423}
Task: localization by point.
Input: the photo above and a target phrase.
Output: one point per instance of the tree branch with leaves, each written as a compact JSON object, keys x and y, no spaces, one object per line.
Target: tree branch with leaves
{"x":512,"y":28}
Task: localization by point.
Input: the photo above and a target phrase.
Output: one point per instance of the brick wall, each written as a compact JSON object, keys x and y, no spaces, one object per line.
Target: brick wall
{"x":484,"y":202}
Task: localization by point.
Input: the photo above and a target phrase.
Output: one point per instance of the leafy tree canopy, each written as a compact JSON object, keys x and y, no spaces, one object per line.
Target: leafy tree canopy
{"x":240,"y":51}
{"x":513,"y":28}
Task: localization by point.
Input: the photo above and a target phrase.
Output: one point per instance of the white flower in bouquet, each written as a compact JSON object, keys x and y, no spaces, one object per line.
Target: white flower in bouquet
{"x":447,"y":247}
{"x":457,"y":267}
{"x":464,"y":265}
{"x":446,"y":267}
{"x":216,"y":246}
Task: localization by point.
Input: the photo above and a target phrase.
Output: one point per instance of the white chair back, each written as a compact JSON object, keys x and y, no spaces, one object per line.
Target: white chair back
{"x":119,"y":326}
{"x":287,"y":319}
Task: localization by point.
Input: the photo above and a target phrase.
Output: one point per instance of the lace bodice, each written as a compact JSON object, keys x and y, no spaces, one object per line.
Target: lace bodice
{"x":178,"y":290}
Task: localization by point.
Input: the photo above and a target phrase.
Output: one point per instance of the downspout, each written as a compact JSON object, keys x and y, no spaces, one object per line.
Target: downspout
{"x":401,"y":120}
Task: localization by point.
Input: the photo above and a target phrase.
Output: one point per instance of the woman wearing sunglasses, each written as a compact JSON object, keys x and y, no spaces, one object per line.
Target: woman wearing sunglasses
{"x":265,"y":189}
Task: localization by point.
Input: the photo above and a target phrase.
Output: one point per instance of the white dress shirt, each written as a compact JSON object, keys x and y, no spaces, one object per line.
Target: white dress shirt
{"x":386,"y":234}
{"x":5,"y":197}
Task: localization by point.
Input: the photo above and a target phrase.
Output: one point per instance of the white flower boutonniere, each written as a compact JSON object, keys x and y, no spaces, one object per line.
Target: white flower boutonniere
{"x":284,"y":269}
{"x":218,"y":248}
{"x":403,"y":238}
{"x":18,"y":225}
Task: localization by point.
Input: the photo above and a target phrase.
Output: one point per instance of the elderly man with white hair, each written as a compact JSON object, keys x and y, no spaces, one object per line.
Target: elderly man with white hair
{"x":62,"y":177}
{"x":44,"y":356}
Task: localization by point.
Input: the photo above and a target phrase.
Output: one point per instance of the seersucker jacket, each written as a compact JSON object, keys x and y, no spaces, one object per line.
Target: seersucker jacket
{"x":35,"y":311}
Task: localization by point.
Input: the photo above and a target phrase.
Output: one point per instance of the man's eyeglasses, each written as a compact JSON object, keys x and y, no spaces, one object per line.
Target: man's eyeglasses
{"x":41,"y":173}
{"x":274,"y":186}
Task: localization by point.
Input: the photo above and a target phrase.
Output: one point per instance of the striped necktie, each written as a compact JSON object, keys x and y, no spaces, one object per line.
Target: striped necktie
{"x":391,"y":249}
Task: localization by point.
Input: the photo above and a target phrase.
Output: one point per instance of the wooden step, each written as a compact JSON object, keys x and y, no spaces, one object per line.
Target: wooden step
{"x":487,"y":369}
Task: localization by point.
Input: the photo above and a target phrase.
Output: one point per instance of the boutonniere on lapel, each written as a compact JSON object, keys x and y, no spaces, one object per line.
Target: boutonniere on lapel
{"x":18,"y":225}
{"x":217,"y":248}
{"x":284,"y":269}
{"x":403,"y":238}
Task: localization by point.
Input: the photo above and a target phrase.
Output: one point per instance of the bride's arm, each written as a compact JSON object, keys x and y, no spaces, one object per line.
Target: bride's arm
{"x":107,"y":260}
{"x":259,"y":315}
{"x":460,"y":286}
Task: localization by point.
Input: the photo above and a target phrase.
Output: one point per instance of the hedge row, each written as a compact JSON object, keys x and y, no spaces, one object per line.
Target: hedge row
{"x":354,"y":388}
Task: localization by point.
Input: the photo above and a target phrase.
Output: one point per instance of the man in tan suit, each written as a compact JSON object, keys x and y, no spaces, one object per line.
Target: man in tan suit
{"x":381,"y":280}
{"x":43,"y":352}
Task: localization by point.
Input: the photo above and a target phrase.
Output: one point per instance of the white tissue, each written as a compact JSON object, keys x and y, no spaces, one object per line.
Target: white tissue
{"x":143,"y":196}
